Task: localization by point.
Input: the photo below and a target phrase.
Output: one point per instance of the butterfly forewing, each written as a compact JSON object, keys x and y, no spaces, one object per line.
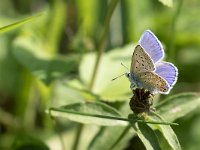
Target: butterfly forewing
{"x":141,"y":61}
{"x":152,"y":45}
{"x":153,"y":82}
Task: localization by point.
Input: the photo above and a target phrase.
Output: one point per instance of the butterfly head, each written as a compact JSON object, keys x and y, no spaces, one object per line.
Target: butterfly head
{"x":127,"y":74}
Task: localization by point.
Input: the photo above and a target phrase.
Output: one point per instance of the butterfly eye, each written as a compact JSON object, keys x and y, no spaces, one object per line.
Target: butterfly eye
{"x":127,"y":75}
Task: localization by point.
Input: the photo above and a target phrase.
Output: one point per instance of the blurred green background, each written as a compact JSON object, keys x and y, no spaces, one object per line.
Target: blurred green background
{"x":49,"y":62}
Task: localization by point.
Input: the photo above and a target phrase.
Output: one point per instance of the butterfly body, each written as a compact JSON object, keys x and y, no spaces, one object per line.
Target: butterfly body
{"x":147,"y":70}
{"x":133,"y":79}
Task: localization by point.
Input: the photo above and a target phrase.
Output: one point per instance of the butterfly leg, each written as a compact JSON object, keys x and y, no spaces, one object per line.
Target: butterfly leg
{"x":133,"y":86}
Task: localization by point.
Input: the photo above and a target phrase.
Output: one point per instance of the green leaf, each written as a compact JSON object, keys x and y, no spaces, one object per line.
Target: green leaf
{"x":24,"y":142}
{"x":168,"y":3}
{"x":170,"y":136}
{"x":178,"y":105}
{"x":19,"y":23}
{"x":167,"y":132}
{"x":147,"y":136}
{"x":30,"y":53}
{"x":81,"y":90}
{"x":117,"y":137}
{"x":106,"y":134}
{"x":109,"y":68}
{"x":96,"y":113}
{"x":64,"y":95}
{"x":90,"y":113}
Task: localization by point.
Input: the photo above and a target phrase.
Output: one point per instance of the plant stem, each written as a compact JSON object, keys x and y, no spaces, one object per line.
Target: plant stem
{"x":101,"y":49}
{"x":56,"y":25}
{"x":77,"y":138}
{"x":101,"y":44}
{"x":108,"y":117}
{"x":173,"y":32}
{"x":53,"y":119}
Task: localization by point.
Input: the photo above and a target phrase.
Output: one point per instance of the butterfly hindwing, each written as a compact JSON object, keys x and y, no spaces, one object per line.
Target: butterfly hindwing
{"x":167,"y":71}
{"x":153,"y":82}
{"x":141,"y":61}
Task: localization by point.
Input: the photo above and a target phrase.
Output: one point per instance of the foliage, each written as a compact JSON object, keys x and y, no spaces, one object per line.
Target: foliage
{"x":56,"y":69}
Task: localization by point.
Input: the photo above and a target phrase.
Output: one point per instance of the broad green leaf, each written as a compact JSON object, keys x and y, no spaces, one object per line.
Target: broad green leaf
{"x":178,"y":105}
{"x":31,"y":54}
{"x":106,"y":134}
{"x":64,"y":95}
{"x":89,"y":113}
{"x":117,"y":137}
{"x":168,"y":3}
{"x":167,"y":133}
{"x":109,"y":68}
{"x":147,"y":136}
{"x":96,"y":113}
{"x":23,"y":142}
{"x":81,"y":90}
{"x":170,"y":136}
{"x":18,"y":23}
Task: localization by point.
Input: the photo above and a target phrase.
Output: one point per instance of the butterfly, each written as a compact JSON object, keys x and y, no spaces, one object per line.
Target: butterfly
{"x":147,"y":69}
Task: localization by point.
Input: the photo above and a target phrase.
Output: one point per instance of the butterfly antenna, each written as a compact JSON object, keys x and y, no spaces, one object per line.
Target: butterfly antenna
{"x":118,"y":76}
{"x":124,"y":66}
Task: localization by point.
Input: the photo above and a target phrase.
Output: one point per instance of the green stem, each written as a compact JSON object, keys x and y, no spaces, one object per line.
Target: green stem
{"x":56,"y":25}
{"x":24,"y":91}
{"x":77,"y":137}
{"x":121,"y":137}
{"x":101,"y":44}
{"x":57,"y":131}
{"x":173,"y":32}
{"x":109,"y":117}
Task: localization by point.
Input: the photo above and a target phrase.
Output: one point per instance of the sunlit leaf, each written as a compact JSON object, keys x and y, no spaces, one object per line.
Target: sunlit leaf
{"x":178,"y":105}
{"x":167,"y":133}
{"x":89,"y":113}
{"x":112,"y":134}
{"x":147,"y":136}
{"x":168,"y":3}
{"x":106,"y":134}
{"x":170,"y":136}
{"x":64,"y":95}
{"x":109,"y":68}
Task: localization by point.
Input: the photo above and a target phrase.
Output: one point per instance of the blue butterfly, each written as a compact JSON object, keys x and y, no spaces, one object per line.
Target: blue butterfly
{"x":147,"y":69}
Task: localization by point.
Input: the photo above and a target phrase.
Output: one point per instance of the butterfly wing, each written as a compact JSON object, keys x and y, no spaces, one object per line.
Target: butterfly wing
{"x":168,"y":72}
{"x":152,"y":45}
{"x":153,"y":82}
{"x":141,"y":61}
